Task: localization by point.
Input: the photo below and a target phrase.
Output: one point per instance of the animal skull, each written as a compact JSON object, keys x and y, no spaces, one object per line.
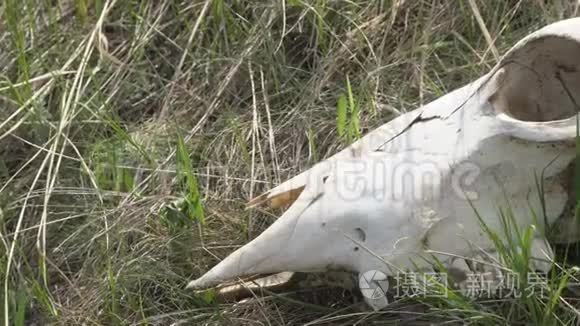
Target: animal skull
{"x":408,"y":191}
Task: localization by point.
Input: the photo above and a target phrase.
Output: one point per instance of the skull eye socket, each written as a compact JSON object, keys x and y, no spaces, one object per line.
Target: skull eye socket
{"x":540,"y":81}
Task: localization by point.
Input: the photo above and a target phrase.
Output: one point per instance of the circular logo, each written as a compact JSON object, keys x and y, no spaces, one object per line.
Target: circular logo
{"x":373,"y":284}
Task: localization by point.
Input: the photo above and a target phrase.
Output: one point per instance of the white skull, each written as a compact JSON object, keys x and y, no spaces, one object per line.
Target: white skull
{"x":408,"y":189}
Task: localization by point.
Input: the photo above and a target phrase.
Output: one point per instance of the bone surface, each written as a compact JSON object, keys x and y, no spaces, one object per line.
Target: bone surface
{"x":411,"y":188}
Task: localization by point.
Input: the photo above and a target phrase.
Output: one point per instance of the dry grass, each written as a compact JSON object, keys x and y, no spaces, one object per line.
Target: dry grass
{"x":102,"y":221}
